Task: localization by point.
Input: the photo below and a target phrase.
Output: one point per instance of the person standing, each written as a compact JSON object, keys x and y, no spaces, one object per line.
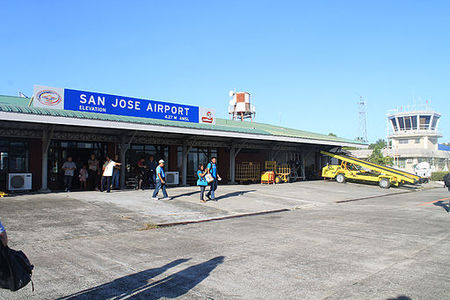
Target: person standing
{"x":152,"y":165}
{"x":108,"y":169}
{"x":212,"y":169}
{"x":69,"y":168}
{"x":116,"y":173}
{"x":83,"y":177}
{"x":447,"y":181}
{"x":160,"y":182}
{"x":141,"y":170}
{"x":93,"y":172}
{"x":201,"y":181}
{"x":3,"y":235}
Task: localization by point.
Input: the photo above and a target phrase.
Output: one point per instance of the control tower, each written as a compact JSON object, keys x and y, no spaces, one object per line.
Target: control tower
{"x":413,"y":138}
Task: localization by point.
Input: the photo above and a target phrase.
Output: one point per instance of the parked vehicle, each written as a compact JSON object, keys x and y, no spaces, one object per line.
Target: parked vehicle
{"x":356,"y":169}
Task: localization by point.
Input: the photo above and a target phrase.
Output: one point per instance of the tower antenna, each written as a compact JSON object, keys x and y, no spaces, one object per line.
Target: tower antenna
{"x":362,"y":116}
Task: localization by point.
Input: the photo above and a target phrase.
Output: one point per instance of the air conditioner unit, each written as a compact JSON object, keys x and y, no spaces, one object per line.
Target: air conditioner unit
{"x":19,"y":181}
{"x":172,"y":178}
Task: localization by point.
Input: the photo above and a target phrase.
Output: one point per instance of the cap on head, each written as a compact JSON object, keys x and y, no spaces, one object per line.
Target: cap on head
{"x":161,"y":161}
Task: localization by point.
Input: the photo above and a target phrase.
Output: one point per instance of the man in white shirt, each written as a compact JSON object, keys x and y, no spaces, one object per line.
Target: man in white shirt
{"x":69,"y":168}
{"x":108,"y":169}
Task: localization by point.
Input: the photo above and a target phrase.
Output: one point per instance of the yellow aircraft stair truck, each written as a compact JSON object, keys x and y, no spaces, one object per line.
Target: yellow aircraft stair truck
{"x":356,"y":169}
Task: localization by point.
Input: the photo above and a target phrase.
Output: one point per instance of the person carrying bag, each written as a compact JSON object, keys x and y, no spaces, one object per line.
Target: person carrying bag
{"x":15,"y":269}
{"x":202,"y":181}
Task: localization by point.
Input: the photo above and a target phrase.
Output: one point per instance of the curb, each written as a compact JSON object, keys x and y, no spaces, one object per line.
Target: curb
{"x":223,"y":218}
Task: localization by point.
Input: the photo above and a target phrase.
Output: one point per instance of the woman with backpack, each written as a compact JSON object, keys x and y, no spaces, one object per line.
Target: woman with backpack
{"x":201,"y":181}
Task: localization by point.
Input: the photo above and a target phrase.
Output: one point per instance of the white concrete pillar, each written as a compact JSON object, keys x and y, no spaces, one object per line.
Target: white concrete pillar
{"x":125,"y":143}
{"x":232,"y":165}
{"x":46,"y":139}
{"x":302,"y":165}
{"x":123,"y":168}
{"x":184,"y":162}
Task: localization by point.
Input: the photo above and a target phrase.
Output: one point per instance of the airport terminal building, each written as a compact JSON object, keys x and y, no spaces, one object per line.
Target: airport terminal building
{"x":37,"y":136}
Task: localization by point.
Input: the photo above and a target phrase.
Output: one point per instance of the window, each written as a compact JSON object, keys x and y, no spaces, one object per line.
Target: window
{"x":408,"y":123}
{"x":196,"y":156}
{"x":433,"y":123}
{"x":417,"y":141}
{"x":402,"y":163}
{"x":14,"y":157}
{"x":424,"y":122}
{"x":403,"y":141}
{"x":394,"y":124}
{"x":401,"y":123}
{"x":414,"y":122}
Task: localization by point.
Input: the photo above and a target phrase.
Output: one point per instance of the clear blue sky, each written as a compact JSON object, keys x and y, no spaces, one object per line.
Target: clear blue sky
{"x":304,"y":62}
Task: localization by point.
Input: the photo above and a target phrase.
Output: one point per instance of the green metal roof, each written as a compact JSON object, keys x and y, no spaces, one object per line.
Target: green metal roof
{"x":20,"y":105}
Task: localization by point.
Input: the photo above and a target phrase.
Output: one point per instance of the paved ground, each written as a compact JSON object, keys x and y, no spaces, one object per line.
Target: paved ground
{"x":89,"y":246}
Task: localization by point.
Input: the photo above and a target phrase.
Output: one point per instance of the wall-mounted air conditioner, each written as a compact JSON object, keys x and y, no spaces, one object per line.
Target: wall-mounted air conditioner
{"x":19,"y":181}
{"x":172,"y":178}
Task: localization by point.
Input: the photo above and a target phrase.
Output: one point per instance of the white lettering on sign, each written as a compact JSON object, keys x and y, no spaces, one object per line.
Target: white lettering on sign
{"x":130,"y":104}
{"x":173,"y":109}
{"x":92,"y":100}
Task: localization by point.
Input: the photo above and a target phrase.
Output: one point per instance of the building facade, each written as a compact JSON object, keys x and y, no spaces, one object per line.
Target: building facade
{"x":37,"y":140}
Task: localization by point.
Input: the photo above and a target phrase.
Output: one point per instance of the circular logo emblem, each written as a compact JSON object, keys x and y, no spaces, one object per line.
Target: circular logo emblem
{"x":49,"y":97}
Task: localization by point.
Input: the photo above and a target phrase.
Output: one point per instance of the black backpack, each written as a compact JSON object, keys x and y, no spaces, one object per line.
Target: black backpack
{"x":446,"y":179}
{"x":15,"y":269}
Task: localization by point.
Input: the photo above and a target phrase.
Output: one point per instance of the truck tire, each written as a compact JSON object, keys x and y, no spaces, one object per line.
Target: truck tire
{"x":384,"y":183}
{"x":340,"y":178}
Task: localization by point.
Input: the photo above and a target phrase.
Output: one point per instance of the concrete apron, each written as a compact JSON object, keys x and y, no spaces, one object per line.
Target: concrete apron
{"x":232,"y":200}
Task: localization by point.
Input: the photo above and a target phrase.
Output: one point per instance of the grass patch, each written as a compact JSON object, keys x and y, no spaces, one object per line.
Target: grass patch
{"x":148,"y":226}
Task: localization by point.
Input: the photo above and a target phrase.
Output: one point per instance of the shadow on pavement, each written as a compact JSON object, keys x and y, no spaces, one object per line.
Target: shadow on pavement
{"x":400,"y":298}
{"x":185,"y":194}
{"x":443,"y":205}
{"x":140,"y":286}
{"x":233,"y":194}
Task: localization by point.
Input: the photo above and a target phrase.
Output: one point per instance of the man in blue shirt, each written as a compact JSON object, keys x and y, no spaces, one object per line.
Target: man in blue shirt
{"x":3,"y":235}
{"x":160,"y":182}
{"x":212,"y":169}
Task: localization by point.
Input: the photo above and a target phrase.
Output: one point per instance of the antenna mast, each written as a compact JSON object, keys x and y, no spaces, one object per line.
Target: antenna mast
{"x":362,"y":116}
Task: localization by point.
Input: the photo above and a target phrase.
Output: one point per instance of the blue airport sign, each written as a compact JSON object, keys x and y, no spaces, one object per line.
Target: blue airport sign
{"x":75,"y":100}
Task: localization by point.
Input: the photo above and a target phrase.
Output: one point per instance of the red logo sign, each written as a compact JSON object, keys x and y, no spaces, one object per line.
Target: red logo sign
{"x":208,"y":118}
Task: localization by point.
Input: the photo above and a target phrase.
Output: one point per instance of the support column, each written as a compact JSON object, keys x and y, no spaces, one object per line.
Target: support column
{"x":125,"y":143}
{"x":184,"y":155}
{"x":233,"y":154}
{"x":302,"y":165}
{"x":184,"y":163}
{"x":232,"y":165}
{"x":46,"y":139}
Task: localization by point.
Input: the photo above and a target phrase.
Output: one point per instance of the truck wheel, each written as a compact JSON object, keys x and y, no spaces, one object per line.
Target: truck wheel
{"x":384,"y":183}
{"x":340,"y":178}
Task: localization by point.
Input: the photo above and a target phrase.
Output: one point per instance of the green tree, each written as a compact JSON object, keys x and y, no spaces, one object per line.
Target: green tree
{"x":331,"y":134}
{"x":377,"y":153}
{"x":380,"y":143}
{"x":376,"y":156}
